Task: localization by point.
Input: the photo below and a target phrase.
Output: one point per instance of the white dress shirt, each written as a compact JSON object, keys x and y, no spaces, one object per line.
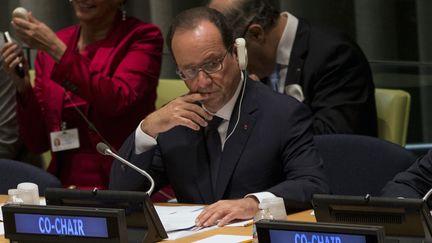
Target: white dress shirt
{"x":283,"y":56}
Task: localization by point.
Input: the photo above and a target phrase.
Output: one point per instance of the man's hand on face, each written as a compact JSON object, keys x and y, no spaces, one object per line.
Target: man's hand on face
{"x":225,"y":211}
{"x":182,"y":111}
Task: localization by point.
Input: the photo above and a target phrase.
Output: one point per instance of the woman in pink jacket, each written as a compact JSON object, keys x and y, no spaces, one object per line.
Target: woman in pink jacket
{"x":94,"y":82}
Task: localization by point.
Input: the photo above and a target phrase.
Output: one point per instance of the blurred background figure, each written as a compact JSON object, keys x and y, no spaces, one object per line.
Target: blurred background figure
{"x":94,"y":82}
{"x":9,"y":143}
{"x":317,"y":65}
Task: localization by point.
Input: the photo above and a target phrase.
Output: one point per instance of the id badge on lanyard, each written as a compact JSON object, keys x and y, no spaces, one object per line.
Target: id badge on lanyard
{"x":65,"y":139}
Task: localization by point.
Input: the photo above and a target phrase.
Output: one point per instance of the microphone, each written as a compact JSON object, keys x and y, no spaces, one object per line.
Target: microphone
{"x":19,"y":69}
{"x":105,"y":150}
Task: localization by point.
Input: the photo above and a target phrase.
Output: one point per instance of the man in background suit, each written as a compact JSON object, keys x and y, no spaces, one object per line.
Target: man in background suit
{"x":264,"y":146}
{"x":318,"y":66}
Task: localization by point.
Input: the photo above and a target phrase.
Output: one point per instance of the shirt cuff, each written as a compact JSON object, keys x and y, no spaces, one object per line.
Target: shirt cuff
{"x":260,"y":196}
{"x":143,"y":141}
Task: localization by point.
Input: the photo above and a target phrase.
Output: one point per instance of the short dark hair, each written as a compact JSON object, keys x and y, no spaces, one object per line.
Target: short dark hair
{"x":242,"y":13}
{"x":191,"y":18}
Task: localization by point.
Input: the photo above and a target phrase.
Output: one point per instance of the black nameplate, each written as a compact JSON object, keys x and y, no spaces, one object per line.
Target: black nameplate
{"x":275,"y":231}
{"x":32,"y":223}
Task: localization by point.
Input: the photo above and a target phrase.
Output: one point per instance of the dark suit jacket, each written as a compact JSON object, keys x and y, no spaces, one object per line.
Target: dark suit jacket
{"x":415,"y":182}
{"x":271,"y":150}
{"x":336,"y":80}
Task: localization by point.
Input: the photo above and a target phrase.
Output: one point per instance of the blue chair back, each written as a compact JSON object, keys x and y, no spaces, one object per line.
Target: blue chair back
{"x":360,"y":165}
{"x":14,"y":172}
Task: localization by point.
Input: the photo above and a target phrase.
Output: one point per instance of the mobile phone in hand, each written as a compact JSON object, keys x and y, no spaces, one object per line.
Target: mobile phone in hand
{"x":19,"y":69}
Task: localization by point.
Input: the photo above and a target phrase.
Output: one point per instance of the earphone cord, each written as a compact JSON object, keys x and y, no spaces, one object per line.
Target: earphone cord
{"x":89,"y":123}
{"x":244,"y":75}
{"x":427,"y":195}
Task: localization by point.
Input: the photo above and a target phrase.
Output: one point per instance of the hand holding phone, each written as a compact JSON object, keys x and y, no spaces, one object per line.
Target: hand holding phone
{"x":19,"y":69}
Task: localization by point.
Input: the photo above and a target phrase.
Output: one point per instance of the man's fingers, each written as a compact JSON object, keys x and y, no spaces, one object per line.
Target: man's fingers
{"x":204,"y":215}
{"x":228,"y":218}
{"x":210,"y":218}
{"x":195,"y":118}
{"x":194,"y":97}
{"x":199,"y":110}
{"x":211,"y":214}
{"x":214,"y":218}
{"x":185,"y":117}
{"x":188,"y":123}
{"x":190,"y":110}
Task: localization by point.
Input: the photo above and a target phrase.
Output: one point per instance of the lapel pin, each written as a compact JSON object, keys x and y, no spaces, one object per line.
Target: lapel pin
{"x":245,"y":126}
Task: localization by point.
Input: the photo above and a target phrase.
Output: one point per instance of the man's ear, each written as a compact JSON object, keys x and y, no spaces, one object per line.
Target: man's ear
{"x":255,"y":33}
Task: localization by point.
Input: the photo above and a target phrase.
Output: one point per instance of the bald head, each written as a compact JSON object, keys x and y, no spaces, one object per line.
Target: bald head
{"x":241,"y":13}
{"x":222,"y":5}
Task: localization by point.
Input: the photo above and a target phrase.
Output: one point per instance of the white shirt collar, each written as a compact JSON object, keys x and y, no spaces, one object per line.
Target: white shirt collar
{"x":287,"y":39}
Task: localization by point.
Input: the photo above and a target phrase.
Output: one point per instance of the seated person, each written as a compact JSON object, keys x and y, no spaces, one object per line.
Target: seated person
{"x":262,"y":145}
{"x":321,"y":67}
{"x":415,"y":182}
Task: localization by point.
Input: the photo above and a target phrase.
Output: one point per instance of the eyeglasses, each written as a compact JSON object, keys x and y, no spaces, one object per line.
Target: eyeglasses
{"x":208,"y":67}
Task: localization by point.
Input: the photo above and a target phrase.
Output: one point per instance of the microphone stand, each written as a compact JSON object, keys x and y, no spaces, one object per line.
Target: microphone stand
{"x":105,"y":150}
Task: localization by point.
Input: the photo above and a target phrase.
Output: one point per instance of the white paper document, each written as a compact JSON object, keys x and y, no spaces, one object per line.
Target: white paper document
{"x":242,"y":223}
{"x":1,"y":212}
{"x":178,"y":218}
{"x":179,"y":221}
{"x":225,"y":239}
{"x":1,"y":223}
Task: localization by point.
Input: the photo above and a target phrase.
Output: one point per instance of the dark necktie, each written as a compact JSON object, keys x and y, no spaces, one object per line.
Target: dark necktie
{"x":214,"y":148}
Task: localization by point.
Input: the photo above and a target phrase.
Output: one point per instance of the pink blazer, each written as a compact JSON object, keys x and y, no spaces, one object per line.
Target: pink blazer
{"x":113,"y":82}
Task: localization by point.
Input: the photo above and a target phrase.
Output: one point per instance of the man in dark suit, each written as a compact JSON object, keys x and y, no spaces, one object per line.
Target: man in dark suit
{"x":318,"y":66}
{"x":263,"y":146}
{"x":415,"y":182}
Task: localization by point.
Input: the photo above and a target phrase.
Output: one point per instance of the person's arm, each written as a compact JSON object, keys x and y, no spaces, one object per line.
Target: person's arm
{"x":183,"y":111}
{"x":415,"y":182}
{"x":135,"y":76}
{"x":342,"y":99}
{"x":11,"y":55}
{"x":31,"y":118}
{"x":39,"y":36}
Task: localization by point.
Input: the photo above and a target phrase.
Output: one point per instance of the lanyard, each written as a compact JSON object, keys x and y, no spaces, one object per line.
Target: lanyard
{"x":89,"y":123}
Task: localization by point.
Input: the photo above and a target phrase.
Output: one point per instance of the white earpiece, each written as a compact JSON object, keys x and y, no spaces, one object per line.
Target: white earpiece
{"x":241,"y":53}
